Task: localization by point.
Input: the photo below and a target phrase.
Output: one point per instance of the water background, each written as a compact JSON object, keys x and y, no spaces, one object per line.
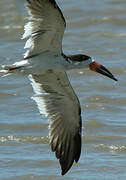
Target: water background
{"x":96,"y":28}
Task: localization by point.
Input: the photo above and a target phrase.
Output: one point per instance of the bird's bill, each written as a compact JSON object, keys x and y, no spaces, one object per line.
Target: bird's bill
{"x":95,"y":66}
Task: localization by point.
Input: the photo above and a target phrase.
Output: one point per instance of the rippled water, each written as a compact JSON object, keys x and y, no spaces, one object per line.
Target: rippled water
{"x":96,"y":28}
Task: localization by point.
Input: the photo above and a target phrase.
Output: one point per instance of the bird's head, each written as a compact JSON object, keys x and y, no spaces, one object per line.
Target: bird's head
{"x":86,"y":61}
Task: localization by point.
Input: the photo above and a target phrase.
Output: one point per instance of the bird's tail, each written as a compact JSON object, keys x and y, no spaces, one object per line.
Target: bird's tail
{"x":8,"y":69}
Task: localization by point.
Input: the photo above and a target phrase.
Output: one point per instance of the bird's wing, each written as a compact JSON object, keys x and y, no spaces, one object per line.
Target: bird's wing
{"x":56,"y":99}
{"x":45,"y":28}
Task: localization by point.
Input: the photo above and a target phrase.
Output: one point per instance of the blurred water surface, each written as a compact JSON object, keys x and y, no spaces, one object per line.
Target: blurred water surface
{"x":96,"y":28}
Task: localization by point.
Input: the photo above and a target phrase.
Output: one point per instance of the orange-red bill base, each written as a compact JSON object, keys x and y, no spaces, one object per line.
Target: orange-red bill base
{"x":95,"y":66}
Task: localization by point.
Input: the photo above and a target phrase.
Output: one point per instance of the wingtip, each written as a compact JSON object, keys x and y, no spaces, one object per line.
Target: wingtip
{"x":77,"y":147}
{"x":63,"y":173}
{"x":67,"y":163}
{"x":65,"y":169}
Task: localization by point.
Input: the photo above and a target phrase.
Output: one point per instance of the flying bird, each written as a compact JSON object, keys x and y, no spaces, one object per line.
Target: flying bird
{"x":46,"y":64}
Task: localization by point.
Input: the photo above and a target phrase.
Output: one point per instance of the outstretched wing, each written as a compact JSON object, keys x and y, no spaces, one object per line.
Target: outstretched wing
{"x":45,"y":28}
{"x":56,"y":99}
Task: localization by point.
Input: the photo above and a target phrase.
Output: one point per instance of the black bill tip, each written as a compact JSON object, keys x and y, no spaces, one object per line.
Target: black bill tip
{"x":102,"y":70}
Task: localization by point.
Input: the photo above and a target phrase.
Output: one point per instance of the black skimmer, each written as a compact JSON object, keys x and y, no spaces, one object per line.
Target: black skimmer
{"x":46,"y":65}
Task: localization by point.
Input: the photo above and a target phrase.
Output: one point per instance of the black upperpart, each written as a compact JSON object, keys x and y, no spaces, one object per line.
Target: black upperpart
{"x":76,"y":57}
